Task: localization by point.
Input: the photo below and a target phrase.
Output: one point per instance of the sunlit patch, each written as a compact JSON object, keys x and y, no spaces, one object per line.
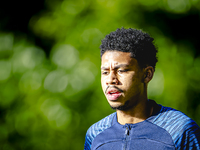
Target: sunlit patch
{"x":56,"y":81}
{"x":5,"y":70}
{"x":82,"y":76}
{"x":179,"y":6}
{"x":65,"y":56}
{"x":92,"y":36}
{"x":55,"y":112}
{"x":30,"y":81}
{"x":26,"y":58}
{"x":156,"y":85}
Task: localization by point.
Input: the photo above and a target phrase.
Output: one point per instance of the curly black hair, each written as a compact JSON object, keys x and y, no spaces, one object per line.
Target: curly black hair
{"x":138,"y":43}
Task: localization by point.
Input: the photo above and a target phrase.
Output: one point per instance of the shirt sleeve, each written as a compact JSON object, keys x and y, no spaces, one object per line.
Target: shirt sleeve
{"x":190,"y":139}
{"x":87,"y":145}
{"x":88,"y":140}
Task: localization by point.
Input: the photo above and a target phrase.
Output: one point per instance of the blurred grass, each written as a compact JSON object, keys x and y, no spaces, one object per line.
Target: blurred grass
{"x":48,"y":102}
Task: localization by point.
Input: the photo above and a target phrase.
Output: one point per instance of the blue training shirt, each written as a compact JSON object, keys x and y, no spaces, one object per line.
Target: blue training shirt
{"x":166,"y":129}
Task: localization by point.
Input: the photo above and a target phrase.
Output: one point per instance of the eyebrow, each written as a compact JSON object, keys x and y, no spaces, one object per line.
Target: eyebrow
{"x":115,"y":67}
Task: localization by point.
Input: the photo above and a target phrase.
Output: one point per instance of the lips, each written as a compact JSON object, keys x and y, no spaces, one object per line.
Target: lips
{"x":113,"y":94}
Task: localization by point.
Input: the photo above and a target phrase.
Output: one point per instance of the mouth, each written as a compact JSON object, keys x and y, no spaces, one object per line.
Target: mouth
{"x":113,"y":94}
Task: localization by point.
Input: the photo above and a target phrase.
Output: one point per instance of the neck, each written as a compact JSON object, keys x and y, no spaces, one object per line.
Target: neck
{"x":135,"y":115}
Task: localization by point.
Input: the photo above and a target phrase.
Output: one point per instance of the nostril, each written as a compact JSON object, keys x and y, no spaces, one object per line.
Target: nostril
{"x":115,"y":81}
{"x":112,"y":79}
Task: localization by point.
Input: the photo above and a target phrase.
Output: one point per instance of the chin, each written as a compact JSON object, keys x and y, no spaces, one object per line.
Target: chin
{"x":121,"y":107}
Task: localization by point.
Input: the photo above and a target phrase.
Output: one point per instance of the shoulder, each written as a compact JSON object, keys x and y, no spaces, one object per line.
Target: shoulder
{"x":183,"y":130}
{"x":101,"y":125}
{"x":172,"y":118}
{"x":97,"y":128}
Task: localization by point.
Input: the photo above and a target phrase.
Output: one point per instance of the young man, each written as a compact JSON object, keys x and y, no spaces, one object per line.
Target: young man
{"x":128,"y":59}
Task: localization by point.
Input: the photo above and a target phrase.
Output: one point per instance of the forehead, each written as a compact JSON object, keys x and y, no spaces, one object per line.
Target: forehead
{"x":112,"y":58}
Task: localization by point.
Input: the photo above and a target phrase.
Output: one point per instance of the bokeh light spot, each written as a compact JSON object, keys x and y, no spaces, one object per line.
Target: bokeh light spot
{"x":56,"y":81}
{"x":179,"y":5}
{"x":5,"y":70}
{"x":156,"y":86}
{"x":56,"y":112}
{"x":30,"y":81}
{"x":27,"y":58}
{"x":82,"y":75}
{"x":65,"y":56}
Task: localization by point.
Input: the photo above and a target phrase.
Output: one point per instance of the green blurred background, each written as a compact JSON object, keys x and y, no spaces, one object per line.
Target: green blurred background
{"x":50,"y":90}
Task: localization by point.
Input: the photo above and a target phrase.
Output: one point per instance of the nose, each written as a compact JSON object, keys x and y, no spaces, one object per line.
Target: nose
{"x":112,"y":79}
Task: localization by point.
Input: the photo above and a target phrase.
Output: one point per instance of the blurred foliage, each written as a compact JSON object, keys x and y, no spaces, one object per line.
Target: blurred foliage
{"x":50,"y":89}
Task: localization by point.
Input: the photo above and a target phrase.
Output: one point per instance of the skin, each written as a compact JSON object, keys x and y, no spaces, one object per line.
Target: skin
{"x":125,"y":86}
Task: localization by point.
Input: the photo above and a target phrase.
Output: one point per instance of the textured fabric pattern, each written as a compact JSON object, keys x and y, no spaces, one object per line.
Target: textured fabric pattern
{"x":97,"y":128}
{"x":137,"y":136}
{"x":184,"y":132}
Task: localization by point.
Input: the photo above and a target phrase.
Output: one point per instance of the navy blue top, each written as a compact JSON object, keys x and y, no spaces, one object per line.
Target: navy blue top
{"x":166,"y":129}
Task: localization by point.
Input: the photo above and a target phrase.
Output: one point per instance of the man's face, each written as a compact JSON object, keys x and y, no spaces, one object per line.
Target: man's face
{"x":121,"y":79}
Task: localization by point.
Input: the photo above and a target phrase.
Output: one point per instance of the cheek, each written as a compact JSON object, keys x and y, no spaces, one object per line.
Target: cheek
{"x":130,"y":82}
{"x":103,"y":84}
{"x":102,"y":81}
{"x":126,"y":80}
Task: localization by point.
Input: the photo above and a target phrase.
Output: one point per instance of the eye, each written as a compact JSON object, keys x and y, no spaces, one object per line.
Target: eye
{"x":104,"y":72}
{"x":121,"y":71}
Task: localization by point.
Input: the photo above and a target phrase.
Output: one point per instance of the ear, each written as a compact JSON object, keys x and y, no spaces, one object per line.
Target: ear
{"x":148,"y":74}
